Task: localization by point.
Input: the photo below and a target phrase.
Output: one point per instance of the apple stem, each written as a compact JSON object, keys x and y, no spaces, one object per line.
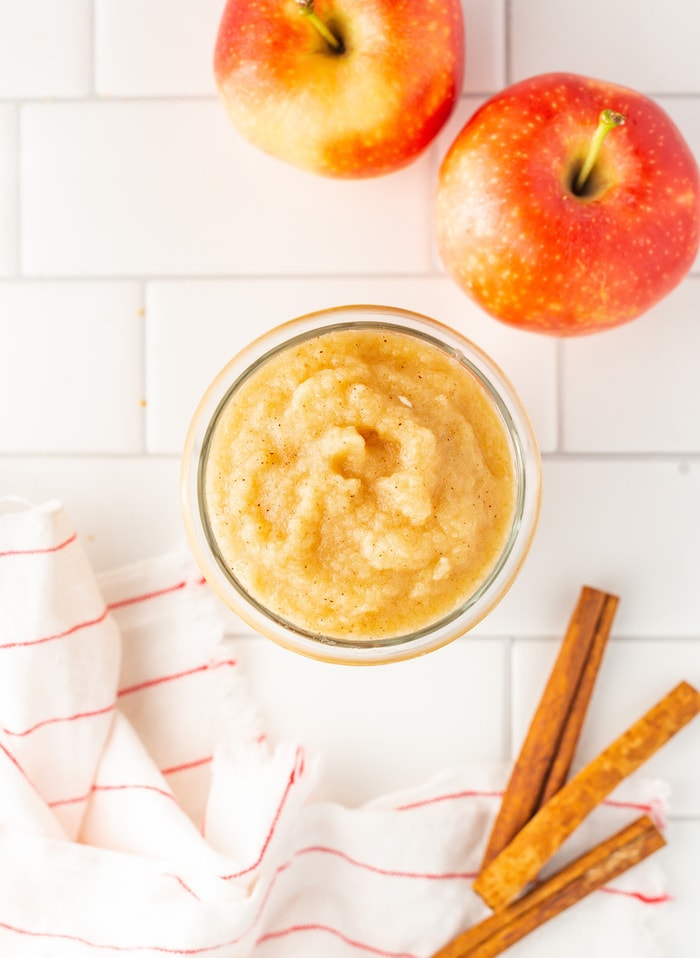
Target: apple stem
{"x":306,"y":8}
{"x":607,"y":121}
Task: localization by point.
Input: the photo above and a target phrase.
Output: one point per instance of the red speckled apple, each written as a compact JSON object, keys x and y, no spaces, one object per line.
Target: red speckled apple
{"x":346,"y":88}
{"x":545,"y":244}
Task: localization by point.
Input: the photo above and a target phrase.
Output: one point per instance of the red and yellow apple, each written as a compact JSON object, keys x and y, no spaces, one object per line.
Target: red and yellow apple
{"x":568,"y":205}
{"x":345,"y":88}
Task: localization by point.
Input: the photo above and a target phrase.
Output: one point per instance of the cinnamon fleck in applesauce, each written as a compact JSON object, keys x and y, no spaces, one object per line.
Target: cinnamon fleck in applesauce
{"x":360,"y":483}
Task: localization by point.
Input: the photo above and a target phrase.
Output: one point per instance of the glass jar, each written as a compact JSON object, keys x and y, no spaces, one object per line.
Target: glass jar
{"x":390,"y":420}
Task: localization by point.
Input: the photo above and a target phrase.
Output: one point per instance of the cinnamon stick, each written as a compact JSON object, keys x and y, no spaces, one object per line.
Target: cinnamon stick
{"x":562,"y":890}
{"x":571,"y":732}
{"x":533,"y":846}
{"x":548,"y":749}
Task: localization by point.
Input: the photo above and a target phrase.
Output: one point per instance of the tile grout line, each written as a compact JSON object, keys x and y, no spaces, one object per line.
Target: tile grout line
{"x":145,"y":392}
{"x":219,"y":277}
{"x":433,"y":272}
{"x":559,"y":398}
{"x":92,"y":53}
{"x":507,"y":42}
{"x":18,"y":194}
{"x":212,"y":98}
{"x":508,"y":701}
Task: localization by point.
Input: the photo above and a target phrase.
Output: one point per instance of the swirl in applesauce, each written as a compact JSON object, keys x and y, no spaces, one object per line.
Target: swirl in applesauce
{"x":360,"y":483}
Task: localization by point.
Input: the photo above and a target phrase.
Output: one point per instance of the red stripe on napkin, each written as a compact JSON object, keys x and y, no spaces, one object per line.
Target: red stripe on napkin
{"x":60,"y":718}
{"x":144,"y":597}
{"x":327,"y":929}
{"x":42,"y":551}
{"x":85,"y":624}
{"x":386,"y":872}
{"x":158,"y":680}
{"x":291,"y":781}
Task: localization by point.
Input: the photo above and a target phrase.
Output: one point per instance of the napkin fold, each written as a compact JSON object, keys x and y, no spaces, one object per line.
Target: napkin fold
{"x":144,"y":811}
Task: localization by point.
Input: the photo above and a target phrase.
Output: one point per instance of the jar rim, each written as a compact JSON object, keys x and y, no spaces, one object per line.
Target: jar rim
{"x":525,"y":460}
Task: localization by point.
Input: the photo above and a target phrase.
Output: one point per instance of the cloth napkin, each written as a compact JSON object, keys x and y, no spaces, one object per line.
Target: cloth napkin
{"x":144,"y":812}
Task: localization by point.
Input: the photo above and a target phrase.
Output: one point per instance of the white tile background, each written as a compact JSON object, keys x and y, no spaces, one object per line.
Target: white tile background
{"x":142,"y":242}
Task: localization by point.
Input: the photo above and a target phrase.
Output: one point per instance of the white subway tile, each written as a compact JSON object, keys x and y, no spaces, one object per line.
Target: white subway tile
{"x":485,"y":35}
{"x":678,"y":919}
{"x":124,"y":188}
{"x":45,"y":48}
{"x":650,"y":46}
{"x":71,"y":370}
{"x":193,"y":329}
{"x":407,"y":713}
{"x":123,"y":508}
{"x":633,"y":677}
{"x":8,"y":190}
{"x":629,"y":526}
{"x":635,"y":388}
{"x":155,"y":47}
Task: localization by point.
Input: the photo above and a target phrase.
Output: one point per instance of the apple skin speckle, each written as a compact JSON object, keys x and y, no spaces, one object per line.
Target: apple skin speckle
{"x":515,"y":236}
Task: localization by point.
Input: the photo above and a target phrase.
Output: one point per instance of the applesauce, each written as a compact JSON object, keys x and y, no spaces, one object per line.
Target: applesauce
{"x":359,"y":485}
